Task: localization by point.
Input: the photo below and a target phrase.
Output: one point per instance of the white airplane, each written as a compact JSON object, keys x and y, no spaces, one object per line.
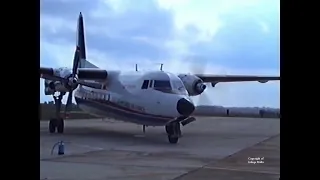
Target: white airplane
{"x":152,"y":98}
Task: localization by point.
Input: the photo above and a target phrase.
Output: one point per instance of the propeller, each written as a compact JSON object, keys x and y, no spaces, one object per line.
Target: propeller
{"x":204,"y":97}
{"x":222,"y":91}
{"x":73,"y":80}
{"x":195,"y":69}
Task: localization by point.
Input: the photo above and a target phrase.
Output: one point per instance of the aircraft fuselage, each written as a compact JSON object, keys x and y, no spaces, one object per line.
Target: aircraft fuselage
{"x":136,"y":105}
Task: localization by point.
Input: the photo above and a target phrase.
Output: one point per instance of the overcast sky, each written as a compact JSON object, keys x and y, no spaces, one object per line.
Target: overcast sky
{"x":216,"y":36}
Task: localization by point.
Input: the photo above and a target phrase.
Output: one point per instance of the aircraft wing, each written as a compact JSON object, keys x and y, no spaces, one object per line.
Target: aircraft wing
{"x":207,"y":78}
{"x":216,"y":111}
{"x":83,"y":75}
{"x":48,"y":73}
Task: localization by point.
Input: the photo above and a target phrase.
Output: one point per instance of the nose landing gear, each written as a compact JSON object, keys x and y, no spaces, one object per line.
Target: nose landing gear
{"x":57,"y":123}
{"x":174,"y":132}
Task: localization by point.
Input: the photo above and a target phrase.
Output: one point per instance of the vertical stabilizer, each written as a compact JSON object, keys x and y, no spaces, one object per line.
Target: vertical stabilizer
{"x":82,"y":46}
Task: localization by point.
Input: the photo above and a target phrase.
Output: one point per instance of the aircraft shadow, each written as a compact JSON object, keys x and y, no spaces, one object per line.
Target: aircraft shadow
{"x":107,"y":135}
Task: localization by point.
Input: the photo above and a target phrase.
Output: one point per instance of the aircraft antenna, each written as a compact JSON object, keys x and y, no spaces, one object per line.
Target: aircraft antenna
{"x":161,"y":65}
{"x":136,"y":67}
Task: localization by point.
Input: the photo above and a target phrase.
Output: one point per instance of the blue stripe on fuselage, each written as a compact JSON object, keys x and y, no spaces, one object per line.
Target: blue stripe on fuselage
{"x":108,"y":109}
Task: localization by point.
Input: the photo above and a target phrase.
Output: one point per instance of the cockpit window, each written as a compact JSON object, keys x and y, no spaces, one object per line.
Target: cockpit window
{"x":150,"y":84}
{"x":170,"y":87}
{"x":145,"y":84}
{"x":162,"y":84}
{"x":178,"y":85}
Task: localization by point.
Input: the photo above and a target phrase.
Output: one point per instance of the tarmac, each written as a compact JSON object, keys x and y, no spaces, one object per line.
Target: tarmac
{"x":211,"y":148}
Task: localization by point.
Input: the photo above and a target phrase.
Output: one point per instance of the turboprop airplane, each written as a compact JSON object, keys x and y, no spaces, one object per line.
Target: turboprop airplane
{"x":151,"y":98}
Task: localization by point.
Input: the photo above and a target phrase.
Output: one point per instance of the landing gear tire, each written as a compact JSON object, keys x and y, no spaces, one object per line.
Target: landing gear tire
{"x":173,"y":140}
{"x":56,"y":124}
{"x":174,"y":132}
{"x":52,"y":125}
{"x":60,"y":126}
{"x":169,"y":130}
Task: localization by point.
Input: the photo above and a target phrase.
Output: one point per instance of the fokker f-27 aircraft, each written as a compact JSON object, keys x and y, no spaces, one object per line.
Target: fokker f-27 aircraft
{"x":152,"y":98}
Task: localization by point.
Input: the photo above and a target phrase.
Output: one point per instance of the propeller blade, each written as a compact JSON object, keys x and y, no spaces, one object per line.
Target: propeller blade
{"x":200,"y":69}
{"x":69,"y":103}
{"x":195,"y":69}
{"x":203,"y":99}
{"x":75,"y":66}
{"x":222,"y":90}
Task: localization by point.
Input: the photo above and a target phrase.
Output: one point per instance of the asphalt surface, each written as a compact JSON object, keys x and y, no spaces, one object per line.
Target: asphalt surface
{"x":211,"y":148}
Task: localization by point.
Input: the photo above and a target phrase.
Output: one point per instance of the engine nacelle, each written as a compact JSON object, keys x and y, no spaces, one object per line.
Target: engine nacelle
{"x":66,"y":73}
{"x":50,"y":87}
{"x":193,"y":84}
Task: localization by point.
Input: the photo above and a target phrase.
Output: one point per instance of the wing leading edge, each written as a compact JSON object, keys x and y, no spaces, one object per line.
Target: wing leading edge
{"x":207,"y":78}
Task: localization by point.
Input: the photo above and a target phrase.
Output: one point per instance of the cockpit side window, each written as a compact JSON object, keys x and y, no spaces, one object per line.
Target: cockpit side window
{"x":145,"y":84}
{"x":177,"y":85}
{"x":162,"y":84}
{"x":150,"y":84}
{"x":169,"y":87}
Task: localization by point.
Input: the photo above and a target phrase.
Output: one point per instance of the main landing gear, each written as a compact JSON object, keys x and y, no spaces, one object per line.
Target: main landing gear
{"x":57,"y":123}
{"x":174,"y":132}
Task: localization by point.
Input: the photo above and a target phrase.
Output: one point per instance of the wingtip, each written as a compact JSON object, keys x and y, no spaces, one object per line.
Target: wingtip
{"x":80,"y":14}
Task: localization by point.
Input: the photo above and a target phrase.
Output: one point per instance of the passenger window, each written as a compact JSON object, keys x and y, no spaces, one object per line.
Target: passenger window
{"x":145,"y":84}
{"x":150,"y":84}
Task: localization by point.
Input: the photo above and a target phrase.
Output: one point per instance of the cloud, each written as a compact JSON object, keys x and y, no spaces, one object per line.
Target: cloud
{"x":224,"y":37}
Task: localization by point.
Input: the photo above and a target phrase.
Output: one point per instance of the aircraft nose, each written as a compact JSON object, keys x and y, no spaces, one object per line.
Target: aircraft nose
{"x":185,"y":107}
